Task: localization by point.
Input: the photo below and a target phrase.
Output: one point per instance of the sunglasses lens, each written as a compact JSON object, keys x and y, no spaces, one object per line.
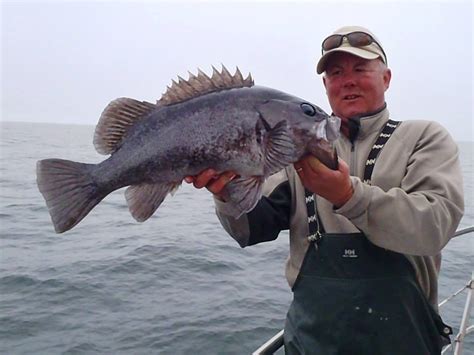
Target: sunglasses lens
{"x":332,"y":42}
{"x":359,"y":39}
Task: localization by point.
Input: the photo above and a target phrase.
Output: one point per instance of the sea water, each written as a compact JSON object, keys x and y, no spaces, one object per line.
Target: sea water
{"x":176,"y":284}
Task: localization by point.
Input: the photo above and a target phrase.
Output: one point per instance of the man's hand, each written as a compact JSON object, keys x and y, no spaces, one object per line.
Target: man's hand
{"x":333,"y":185}
{"x":213,"y":181}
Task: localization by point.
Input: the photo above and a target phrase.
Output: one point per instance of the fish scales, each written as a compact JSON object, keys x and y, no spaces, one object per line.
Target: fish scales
{"x":252,"y":130}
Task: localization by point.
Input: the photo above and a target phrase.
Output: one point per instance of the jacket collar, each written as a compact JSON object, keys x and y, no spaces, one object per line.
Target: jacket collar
{"x":362,"y":126}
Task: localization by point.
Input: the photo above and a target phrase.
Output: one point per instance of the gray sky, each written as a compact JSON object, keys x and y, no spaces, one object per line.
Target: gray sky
{"x":64,"y":61}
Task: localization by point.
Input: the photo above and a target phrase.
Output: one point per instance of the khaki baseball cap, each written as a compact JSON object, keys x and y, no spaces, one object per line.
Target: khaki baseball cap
{"x":372,"y":51}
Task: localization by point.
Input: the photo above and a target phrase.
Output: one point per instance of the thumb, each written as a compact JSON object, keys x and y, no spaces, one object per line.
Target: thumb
{"x":315,"y":164}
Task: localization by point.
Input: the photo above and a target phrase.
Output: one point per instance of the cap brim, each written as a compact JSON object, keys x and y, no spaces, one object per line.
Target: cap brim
{"x":359,"y":52}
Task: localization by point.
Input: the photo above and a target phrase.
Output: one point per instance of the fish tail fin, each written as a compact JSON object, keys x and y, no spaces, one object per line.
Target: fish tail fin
{"x":68,"y":189}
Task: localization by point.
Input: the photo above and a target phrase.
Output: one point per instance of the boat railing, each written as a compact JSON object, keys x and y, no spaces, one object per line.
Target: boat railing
{"x":276,"y":342}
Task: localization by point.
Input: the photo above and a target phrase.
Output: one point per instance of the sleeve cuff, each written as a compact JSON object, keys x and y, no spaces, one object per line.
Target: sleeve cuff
{"x":237,"y":228}
{"x":226,"y":208}
{"x":358,"y":203}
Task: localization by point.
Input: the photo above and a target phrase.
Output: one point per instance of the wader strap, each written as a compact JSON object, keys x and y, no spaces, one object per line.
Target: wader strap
{"x":314,"y":225}
{"x":384,"y":136}
{"x":313,"y":220}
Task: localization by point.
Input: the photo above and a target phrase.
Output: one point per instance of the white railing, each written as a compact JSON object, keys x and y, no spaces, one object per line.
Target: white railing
{"x":464,"y":328}
{"x":276,"y":342}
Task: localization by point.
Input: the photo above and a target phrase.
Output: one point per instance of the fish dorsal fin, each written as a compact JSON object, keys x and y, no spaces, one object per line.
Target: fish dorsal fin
{"x":116,"y":119}
{"x":201,"y":84}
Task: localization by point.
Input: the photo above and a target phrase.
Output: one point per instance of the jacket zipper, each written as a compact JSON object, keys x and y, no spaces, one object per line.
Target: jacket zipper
{"x":353,"y":159}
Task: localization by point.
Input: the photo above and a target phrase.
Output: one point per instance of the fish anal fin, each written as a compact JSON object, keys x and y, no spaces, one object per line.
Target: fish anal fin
{"x":144,"y":199}
{"x":115,"y":121}
{"x":279,"y":148}
{"x":244,"y":192}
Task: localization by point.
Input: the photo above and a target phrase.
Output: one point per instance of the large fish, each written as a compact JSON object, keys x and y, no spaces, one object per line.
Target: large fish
{"x":222,"y":122}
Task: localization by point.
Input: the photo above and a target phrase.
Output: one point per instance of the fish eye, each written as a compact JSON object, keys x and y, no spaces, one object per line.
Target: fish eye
{"x":308,"y":109}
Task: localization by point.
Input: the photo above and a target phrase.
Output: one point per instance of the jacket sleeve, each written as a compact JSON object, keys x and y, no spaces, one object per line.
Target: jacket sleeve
{"x":269,"y":217}
{"x":420,"y":216}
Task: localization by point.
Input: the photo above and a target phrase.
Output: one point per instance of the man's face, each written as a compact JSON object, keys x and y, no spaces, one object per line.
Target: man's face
{"x":355,"y":86}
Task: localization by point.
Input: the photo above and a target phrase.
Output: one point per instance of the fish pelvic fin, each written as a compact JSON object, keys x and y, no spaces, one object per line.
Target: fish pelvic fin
{"x":116,"y":120}
{"x":279,"y":149}
{"x":244,"y":193}
{"x":68,"y":189}
{"x":144,"y":199}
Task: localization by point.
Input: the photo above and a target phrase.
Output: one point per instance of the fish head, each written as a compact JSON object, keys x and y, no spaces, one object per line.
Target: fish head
{"x":312,"y":130}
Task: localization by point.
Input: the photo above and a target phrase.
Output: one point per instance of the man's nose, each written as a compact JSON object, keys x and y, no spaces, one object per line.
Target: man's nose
{"x":348,"y":79}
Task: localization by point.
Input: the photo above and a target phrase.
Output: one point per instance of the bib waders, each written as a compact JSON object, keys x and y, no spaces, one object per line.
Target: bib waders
{"x":354,"y":298}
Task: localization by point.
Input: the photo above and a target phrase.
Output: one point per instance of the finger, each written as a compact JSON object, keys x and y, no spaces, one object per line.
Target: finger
{"x":314,"y":163}
{"x":317,"y":167}
{"x":203,"y":178}
{"x":217,"y":186}
{"x":304,"y":167}
{"x":189,"y":179}
{"x":343,"y":167}
{"x":298,"y":169}
{"x":307,"y":164}
{"x":300,"y":165}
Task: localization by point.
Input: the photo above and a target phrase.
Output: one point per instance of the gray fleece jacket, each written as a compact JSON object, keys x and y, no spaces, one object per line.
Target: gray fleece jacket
{"x":413,"y":205}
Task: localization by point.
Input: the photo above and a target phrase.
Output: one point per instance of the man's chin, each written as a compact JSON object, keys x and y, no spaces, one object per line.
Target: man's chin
{"x":349,"y":114}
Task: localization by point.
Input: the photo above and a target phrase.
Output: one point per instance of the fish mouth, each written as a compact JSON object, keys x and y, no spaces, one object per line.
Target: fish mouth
{"x":329,"y":129}
{"x":326,"y":153}
{"x":322,"y":147}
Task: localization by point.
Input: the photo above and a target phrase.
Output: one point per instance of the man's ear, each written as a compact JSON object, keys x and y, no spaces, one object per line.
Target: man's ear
{"x":324,"y":82}
{"x":387,"y":76}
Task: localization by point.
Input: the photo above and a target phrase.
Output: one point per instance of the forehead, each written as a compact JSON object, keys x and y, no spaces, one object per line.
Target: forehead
{"x":344,"y":58}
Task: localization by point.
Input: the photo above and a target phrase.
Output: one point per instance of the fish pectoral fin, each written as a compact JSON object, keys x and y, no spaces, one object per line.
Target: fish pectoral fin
{"x":144,"y":199}
{"x":244,"y":193}
{"x":279,"y":149}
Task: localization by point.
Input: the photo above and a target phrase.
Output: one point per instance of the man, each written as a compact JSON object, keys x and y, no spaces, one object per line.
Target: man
{"x":364,"y":268}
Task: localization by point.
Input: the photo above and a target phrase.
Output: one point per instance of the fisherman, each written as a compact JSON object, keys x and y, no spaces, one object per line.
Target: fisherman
{"x":365,"y":239}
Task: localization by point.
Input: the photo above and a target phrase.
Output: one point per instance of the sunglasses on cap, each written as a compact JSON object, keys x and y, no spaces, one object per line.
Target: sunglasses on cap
{"x":355,"y":39}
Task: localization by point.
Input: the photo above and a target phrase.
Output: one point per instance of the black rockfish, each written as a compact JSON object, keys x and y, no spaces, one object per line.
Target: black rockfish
{"x":222,"y":122}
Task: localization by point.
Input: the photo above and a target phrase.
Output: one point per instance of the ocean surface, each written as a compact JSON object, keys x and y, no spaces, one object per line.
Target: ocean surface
{"x":176,"y":284}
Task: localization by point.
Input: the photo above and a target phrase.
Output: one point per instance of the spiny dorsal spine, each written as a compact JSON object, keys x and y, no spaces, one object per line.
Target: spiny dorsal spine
{"x":201,"y":84}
